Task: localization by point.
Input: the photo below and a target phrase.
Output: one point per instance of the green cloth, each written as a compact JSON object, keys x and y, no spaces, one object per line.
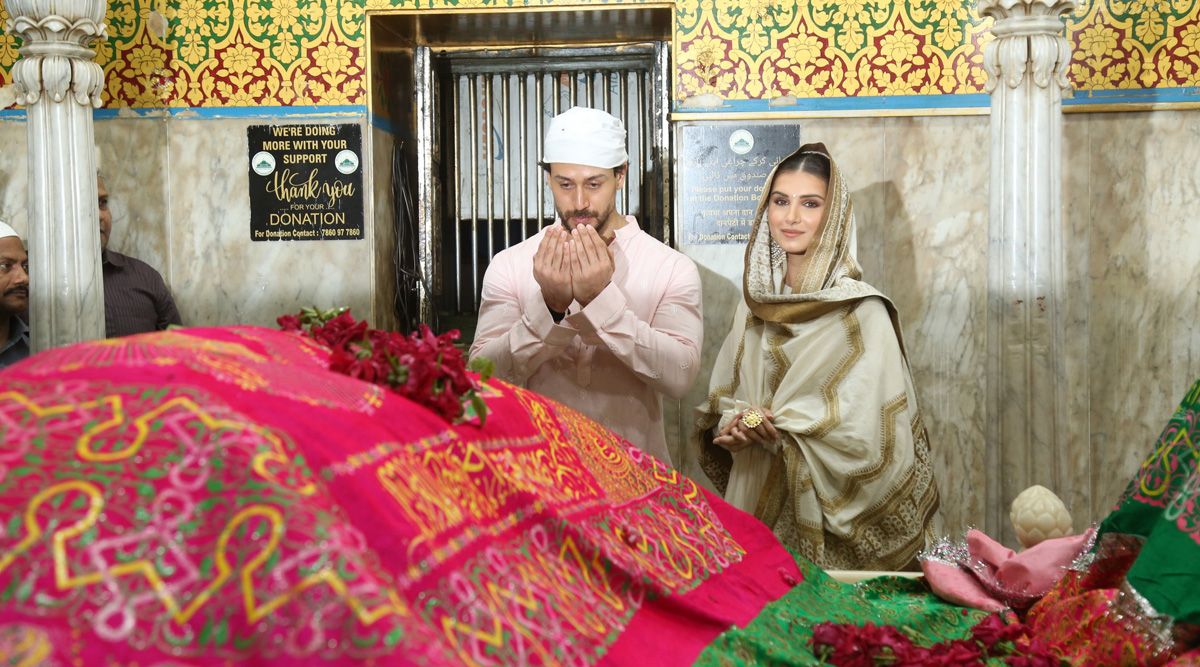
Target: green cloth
{"x":1162,"y":505}
{"x":781,"y":634}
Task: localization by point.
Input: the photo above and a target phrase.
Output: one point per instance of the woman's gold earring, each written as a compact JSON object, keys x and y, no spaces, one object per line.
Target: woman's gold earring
{"x":776,"y":253}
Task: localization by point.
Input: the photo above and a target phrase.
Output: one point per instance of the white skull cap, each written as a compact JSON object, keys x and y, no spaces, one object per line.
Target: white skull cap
{"x":6,"y":231}
{"x":585,"y":136}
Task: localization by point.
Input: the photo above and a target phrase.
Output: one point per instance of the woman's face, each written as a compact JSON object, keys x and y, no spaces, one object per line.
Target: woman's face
{"x":794,"y":210}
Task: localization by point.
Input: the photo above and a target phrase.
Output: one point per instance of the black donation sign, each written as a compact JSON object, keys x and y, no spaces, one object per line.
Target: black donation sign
{"x":305,"y":182}
{"x":722,"y":168}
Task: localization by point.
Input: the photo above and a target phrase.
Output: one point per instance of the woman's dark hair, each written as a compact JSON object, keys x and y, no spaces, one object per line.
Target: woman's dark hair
{"x":811,"y":158}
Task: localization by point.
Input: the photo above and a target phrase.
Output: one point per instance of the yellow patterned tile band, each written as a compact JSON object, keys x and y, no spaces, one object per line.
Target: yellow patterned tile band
{"x":237,"y":53}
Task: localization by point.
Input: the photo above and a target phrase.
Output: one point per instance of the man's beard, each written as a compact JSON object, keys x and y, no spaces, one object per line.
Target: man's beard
{"x":598,"y":222}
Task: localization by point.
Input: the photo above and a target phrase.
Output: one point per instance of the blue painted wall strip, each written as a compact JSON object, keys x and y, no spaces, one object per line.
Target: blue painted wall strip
{"x":859,"y":104}
{"x":1154,"y":95}
{"x":211,"y":113}
{"x":885,"y":103}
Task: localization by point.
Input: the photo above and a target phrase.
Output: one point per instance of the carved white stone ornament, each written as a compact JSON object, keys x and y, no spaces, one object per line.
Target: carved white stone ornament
{"x":59,"y":84}
{"x":57,"y":49}
{"x":1037,"y":514}
{"x":1028,"y":40}
{"x":1027,"y":393}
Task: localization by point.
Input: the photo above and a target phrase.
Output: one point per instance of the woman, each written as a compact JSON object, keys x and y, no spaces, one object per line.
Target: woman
{"x":811,"y":421}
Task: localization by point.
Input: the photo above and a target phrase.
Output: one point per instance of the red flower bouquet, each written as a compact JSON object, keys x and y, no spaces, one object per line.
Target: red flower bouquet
{"x":867,"y":645}
{"x":421,"y":366}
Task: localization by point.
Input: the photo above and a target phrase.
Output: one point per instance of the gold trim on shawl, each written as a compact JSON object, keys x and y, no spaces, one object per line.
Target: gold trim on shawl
{"x":859,"y":512}
{"x":857,"y":478}
{"x":780,"y":361}
{"x":829,"y":389}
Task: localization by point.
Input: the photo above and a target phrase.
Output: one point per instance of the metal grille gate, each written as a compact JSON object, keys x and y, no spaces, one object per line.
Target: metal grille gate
{"x":492,"y":108}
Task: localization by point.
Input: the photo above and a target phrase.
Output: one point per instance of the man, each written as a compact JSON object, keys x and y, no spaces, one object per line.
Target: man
{"x":136,"y":300}
{"x":593,"y":312}
{"x":14,"y":297}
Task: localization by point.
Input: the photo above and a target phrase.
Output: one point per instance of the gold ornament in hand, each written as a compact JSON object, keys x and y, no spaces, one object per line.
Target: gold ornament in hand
{"x":752,"y":419}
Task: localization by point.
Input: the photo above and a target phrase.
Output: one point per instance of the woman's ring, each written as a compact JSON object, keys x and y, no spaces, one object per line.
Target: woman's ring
{"x":752,"y":419}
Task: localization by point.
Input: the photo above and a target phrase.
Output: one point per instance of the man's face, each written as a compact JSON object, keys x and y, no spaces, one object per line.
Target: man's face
{"x":14,"y":276}
{"x":585,"y":195}
{"x":105,"y":214}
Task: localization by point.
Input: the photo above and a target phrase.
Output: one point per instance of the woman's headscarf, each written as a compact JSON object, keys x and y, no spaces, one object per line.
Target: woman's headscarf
{"x":850,"y":485}
{"x":831,"y":270}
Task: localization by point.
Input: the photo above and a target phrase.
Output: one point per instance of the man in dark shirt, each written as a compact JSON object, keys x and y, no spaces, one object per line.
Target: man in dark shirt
{"x":136,"y":300}
{"x":14,"y":297}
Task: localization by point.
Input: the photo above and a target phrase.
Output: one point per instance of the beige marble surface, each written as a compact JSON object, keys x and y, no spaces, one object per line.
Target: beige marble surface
{"x":14,"y":176}
{"x":384,"y":225}
{"x":934,"y":267}
{"x":219,"y":275}
{"x":134,"y":161}
{"x":1077,"y":224}
{"x":1142,"y":269}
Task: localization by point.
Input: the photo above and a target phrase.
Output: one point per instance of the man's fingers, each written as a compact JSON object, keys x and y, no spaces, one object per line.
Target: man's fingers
{"x":598,"y":247}
{"x":557,"y":260}
{"x":583,"y":239}
{"x":576,"y":261}
{"x":545,"y":249}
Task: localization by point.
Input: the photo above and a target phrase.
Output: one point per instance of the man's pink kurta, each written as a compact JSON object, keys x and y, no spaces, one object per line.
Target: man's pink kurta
{"x":639,"y":338}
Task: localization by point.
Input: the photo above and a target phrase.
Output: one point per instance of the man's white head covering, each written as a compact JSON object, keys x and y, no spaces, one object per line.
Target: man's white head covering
{"x":585,"y":136}
{"x":6,"y":231}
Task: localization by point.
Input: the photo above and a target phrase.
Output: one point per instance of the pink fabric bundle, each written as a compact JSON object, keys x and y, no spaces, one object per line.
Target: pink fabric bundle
{"x":984,"y":574}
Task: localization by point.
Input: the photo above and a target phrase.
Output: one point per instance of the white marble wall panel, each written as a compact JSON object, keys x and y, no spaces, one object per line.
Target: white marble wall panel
{"x":1077,"y":224}
{"x":133,"y":159}
{"x":219,"y":275}
{"x":934,"y":267}
{"x":14,"y":175}
{"x":1144,"y":281}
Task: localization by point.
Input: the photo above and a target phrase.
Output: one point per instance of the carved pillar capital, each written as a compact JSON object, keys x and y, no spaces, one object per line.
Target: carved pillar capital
{"x":57,"y":49}
{"x":59,"y":84}
{"x":1029,"y":40}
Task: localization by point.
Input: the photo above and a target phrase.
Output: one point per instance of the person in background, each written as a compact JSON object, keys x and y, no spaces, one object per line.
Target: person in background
{"x":14,"y":297}
{"x":136,"y":300}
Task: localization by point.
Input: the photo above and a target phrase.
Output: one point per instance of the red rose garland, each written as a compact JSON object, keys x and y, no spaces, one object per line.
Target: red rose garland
{"x":422,"y":367}
{"x":848,"y":645}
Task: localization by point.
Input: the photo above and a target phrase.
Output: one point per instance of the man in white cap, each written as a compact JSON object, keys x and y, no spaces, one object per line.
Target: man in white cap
{"x":14,"y":297}
{"x":593,"y":312}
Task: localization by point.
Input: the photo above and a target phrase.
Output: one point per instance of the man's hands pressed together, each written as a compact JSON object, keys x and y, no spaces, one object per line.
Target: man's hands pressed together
{"x":575,"y":265}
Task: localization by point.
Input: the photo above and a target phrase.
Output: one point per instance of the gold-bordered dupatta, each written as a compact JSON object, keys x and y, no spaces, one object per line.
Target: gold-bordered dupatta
{"x":850,"y":485}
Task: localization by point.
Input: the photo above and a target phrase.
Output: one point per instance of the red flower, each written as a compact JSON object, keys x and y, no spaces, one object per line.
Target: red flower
{"x":340,"y":331}
{"x":993,"y":630}
{"x":866,"y":645}
{"x":959,"y":653}
{"x":1032,"y":661}
{"x":870,"y":644}
{"x":423,"y":367}
{"x":289,"y":322}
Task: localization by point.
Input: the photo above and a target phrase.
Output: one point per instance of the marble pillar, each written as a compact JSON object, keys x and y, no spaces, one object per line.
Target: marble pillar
{"x":1026,"y":429}
{"x":59,"y":85}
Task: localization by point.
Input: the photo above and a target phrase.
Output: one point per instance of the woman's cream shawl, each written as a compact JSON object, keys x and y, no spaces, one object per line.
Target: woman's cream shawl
{"x":850,"y":486}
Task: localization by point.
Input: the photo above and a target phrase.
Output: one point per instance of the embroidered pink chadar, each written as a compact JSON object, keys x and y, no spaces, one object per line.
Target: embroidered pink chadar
{"x":208,"y":496}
